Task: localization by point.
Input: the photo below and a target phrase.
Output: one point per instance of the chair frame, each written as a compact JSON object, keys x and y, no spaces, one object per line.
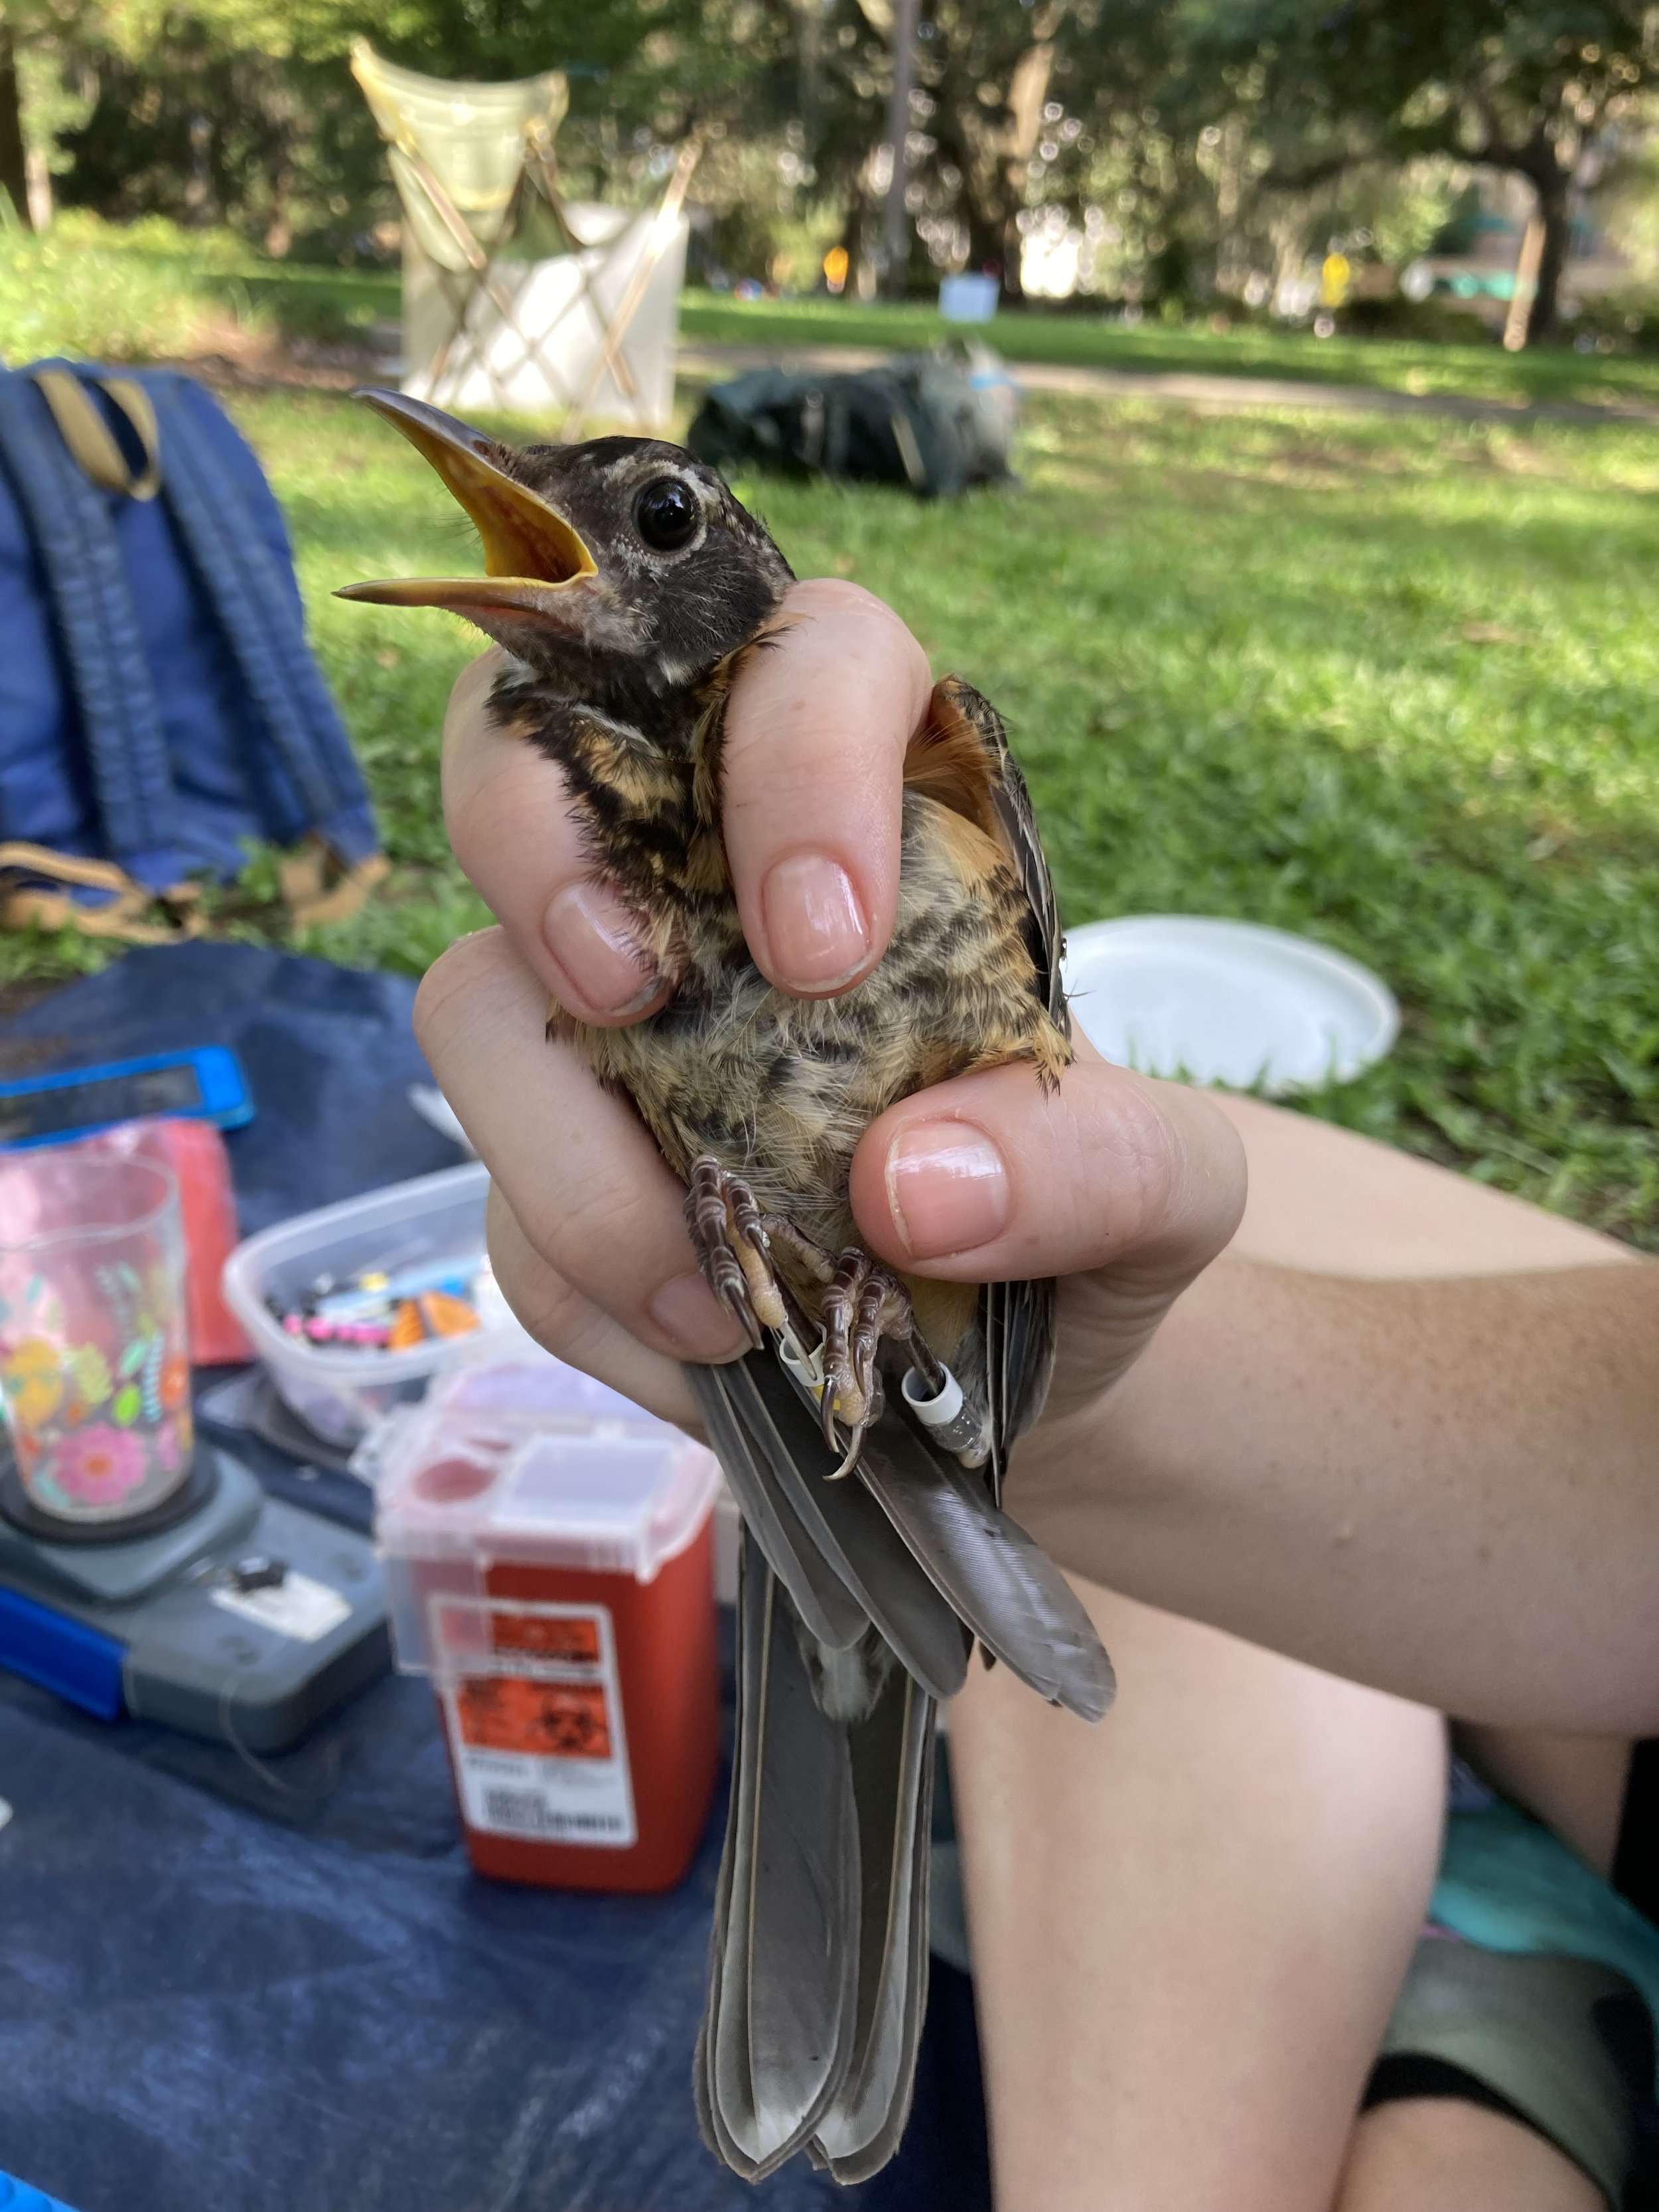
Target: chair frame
{"x":461,"y":289}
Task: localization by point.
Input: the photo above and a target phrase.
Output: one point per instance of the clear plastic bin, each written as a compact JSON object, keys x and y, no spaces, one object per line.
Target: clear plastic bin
{"x":340,"y":1391}
{"x":528,"y":1459}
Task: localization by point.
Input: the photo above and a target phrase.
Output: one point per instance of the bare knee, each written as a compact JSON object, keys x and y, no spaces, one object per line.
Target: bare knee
{"x":1440,"y":2154}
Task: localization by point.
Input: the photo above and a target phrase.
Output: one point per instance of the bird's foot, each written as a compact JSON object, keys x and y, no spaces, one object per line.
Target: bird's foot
{"x":860,"y":1302}
{"x":730,"y":1236}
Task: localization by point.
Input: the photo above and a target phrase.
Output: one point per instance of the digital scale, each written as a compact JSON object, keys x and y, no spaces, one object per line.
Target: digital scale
{"x":226,"y":1614}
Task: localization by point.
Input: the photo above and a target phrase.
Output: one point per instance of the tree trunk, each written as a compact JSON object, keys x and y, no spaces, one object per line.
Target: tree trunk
{"x":861,"y":275}
{"x":993,"y":158}
{"x":896,"y":220}
{"x":1555,"y":213}
{"x":1013,"y":248}
{"x":986,"y":241}
{"x":14,"y":165}
{"x":1027,"y":90}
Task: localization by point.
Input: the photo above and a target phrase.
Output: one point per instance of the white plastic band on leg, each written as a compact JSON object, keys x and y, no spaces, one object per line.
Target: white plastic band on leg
{"x":946,"y":1418}
{"x":810,"y":1372}
{"x":935,"y":1412}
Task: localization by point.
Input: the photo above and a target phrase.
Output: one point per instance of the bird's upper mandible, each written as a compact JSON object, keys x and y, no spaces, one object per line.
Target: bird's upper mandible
{"x":610,"y":565}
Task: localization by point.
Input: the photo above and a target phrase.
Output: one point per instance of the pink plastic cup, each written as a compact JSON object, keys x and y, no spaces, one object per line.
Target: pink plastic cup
{"x":95,"y":1351}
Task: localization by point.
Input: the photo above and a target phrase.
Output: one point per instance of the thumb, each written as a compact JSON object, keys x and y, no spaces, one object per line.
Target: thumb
{"x":991,"y":1178}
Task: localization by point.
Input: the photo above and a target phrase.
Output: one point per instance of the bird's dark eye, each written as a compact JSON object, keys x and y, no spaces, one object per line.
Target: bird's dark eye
{"x":666,"y":514}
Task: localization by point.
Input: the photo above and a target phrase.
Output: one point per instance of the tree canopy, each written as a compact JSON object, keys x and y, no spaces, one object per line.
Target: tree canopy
{"x":1185,"y":150}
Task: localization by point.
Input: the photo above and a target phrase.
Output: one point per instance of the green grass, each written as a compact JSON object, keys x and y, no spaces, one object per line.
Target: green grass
{"x":1392,"y":683}
{"x":1089,"y":341}
{"x":149,"y":289}
{"x":152,"y":290}
{"x":1233,"y":659}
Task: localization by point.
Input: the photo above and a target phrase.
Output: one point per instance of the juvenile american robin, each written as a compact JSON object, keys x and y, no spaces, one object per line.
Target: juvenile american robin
{"x":867,"y":1434}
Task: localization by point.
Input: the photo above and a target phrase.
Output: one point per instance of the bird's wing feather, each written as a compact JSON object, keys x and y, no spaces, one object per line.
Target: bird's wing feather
{"x":1018,"y":1323}
{"x":844,"y":1533}
{"x":961,"y":757}
{"x":779,"y":2033}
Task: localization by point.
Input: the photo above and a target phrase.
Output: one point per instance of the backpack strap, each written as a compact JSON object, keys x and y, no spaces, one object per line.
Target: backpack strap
{"x":130,"y":913}
{"x":261,"y":625}
{"x":92,"y":611}
{"x":86,"y":435}
{"x":317,"y":886}
{"x":910,"y":451}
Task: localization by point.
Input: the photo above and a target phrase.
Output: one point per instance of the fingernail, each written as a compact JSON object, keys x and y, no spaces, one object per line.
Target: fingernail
{"x":816,"y":929}
{"x":592,"y":936}
{"x":688,"y":1310}
{"x":947,"y":1187}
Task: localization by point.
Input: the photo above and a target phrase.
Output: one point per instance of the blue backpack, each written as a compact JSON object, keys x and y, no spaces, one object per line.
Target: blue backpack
{"x":160,"y":708}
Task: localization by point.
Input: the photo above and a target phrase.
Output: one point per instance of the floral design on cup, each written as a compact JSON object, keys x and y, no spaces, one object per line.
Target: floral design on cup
{"x":95,"y":1365}
{"x":34,"y":1381}
{"x":88,"y":1373}
{"x":99,"y":1465}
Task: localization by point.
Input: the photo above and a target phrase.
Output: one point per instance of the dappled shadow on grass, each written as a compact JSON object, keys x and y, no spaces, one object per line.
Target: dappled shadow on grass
{"x":1090,"y":436}
{"x":1420,"y":366}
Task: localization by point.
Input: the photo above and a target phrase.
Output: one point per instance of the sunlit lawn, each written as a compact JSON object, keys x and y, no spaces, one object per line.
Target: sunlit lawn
{"x":1395,"y":684}
{"x":1482,"y":371}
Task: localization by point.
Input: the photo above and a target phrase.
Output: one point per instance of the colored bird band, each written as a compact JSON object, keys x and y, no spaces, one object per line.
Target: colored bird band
{"x":377,"y":1311}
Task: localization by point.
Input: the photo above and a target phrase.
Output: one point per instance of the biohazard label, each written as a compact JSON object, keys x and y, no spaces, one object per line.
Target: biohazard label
{"x":534,"y":1707}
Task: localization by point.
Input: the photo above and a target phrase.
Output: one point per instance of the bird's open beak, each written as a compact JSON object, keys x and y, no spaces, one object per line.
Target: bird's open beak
{"x":531,"y":552}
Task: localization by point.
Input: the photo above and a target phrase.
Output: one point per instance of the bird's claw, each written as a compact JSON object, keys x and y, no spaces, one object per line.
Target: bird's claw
{"x":728,"y":1235}
{"x":863,"y":1303}
{"x":860,"y":1302}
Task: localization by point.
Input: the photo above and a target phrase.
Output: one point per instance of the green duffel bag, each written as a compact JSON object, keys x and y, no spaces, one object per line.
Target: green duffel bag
{"x":925,"y":421}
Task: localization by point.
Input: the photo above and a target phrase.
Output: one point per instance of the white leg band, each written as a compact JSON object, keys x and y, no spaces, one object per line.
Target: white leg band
{"x":946,"y":1418}
{"x":934,"y":1413}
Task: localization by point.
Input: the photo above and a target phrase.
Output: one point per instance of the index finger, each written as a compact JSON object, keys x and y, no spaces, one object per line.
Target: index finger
{"x":524,"y":847}
{"x":811,"y":785}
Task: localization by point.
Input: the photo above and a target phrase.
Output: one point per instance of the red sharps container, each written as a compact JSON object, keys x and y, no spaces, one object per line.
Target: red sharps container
{"x":548,"y":1551}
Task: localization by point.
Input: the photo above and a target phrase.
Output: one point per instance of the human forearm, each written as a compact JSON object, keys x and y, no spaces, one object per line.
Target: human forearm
{"x":1448,"y":1489}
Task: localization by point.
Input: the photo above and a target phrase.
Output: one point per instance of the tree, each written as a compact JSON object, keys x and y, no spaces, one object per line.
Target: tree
{"x":1523,"y":86}
{"x":243,"y":112}
{"x":13,"y":174}
{"x":989,"y":79}
{"x":29,"y":30}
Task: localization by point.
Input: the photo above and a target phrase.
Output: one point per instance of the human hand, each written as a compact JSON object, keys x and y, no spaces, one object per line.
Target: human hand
{"x":1124,"y":1187}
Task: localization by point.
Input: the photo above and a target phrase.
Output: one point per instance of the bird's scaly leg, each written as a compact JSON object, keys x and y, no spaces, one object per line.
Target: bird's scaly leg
{"x":861,"y":1304}
{"x":729,"y":1237}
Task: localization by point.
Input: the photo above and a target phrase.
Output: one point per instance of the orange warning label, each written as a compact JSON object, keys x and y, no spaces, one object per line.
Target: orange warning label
{"x":573,"y":1638}
{"x":550,"y":1720}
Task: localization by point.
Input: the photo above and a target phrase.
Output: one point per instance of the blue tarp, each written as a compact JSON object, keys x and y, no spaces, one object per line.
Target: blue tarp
{"x":280,"y":1989}
{"x":17,"y":2196}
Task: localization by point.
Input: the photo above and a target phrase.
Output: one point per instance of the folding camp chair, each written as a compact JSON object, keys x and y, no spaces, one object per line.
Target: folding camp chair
{"x":478,"y":178}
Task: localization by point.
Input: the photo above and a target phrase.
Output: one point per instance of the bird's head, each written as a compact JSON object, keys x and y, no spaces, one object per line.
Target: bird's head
{"x":604,"y":561}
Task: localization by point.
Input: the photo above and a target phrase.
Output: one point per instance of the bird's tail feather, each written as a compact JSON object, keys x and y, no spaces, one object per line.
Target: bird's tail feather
{"x":854,"y":1601}
{"x":893,"y":1788}
{"x":822,"y":1596}
{"x":818,"y":1963}
{"x":777,"y":2036}
{"x":841,"y":1528}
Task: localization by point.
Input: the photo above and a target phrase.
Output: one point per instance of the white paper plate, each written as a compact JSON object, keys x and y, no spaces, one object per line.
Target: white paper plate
{"x":1225,"y":1002}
